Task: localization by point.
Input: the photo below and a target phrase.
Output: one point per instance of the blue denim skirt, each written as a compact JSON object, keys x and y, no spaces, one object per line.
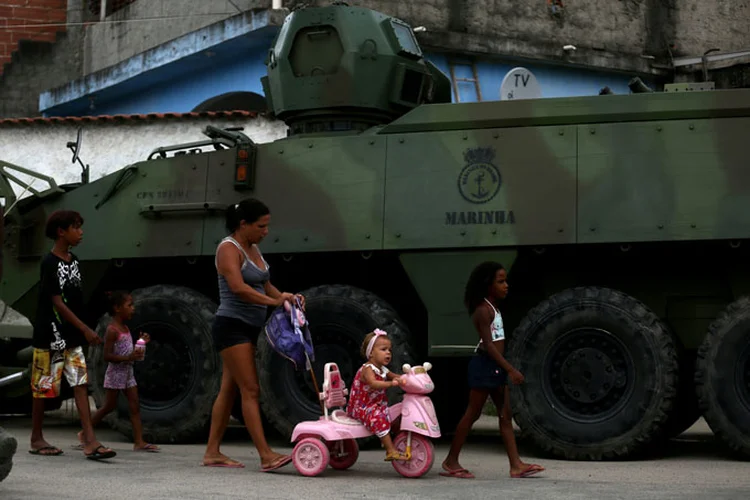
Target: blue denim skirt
{"x":485,"y":373}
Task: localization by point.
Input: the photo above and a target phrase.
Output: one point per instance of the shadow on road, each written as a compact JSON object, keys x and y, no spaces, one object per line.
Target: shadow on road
{"x":696,"y":443}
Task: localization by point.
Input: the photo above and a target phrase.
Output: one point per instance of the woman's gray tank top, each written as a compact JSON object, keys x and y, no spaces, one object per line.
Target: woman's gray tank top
{"x":230,"y":305}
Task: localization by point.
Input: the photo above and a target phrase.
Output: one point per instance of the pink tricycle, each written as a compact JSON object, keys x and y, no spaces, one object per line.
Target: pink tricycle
{"x":332,"y":438}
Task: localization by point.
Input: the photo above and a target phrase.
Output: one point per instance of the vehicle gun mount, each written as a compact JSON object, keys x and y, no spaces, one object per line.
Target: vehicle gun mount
{"x":346,"y":69}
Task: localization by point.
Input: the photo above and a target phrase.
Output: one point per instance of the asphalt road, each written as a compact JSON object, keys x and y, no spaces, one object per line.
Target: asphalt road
{"x":693,"y":467}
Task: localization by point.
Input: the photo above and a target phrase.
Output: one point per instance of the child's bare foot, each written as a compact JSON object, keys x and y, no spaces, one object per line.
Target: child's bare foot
{"x":144,"y":446}
{"x":42,"y":447}
{"x":220,"y":460}
{"x":80,"y":444}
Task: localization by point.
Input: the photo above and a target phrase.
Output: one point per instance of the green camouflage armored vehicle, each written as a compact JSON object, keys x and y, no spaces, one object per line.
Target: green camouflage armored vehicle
{"x":8,"y":444}
{"x":623,"y":221}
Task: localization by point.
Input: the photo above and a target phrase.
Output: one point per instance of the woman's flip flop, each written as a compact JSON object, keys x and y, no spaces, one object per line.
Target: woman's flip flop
{"x":528,"y":471}
{"x":228,"y":465}
{"x":459,"y":473}
{"x":280,"y":462}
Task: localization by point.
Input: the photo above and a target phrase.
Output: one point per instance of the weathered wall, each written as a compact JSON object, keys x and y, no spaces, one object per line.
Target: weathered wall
{"x":109,"y":43}
{"x":612,"y":34}
{"x":38,"y":66}
{"x":702,"y":25}
{"x":109,"y":146}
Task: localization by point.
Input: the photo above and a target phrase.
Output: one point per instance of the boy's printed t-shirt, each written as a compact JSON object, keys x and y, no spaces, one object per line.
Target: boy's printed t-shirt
{"x":58,"y":277}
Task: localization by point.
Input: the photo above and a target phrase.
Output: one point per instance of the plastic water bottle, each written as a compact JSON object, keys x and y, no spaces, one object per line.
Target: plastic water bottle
{"x":140,"y":345}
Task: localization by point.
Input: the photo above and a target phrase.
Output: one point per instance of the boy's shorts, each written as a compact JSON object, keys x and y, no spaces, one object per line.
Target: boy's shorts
{"x":46,"y":371}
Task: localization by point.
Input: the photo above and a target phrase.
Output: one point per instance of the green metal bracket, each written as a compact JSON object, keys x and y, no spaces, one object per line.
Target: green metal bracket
{"x":6,"y":189}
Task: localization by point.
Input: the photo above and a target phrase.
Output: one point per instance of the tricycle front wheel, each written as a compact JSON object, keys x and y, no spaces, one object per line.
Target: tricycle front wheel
{"x":422,"y":455}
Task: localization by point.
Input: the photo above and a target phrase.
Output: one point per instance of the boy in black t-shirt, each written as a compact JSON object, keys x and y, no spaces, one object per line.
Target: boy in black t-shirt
{"x":59,"y":335}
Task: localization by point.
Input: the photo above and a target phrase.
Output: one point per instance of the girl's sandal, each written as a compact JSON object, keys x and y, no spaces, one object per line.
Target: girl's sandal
{"x":390,"y":457}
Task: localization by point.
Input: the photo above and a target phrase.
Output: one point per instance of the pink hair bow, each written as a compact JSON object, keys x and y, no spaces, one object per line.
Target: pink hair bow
{"x":378,"y":332}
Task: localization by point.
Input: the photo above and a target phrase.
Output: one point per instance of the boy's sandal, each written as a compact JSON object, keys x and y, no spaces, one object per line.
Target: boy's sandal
{"x":398,"y":456}
{"x":53,"y":451}
{"x":99,"y":455}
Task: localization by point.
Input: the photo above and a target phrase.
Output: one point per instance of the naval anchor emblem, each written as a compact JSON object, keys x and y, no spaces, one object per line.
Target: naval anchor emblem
{"x":480,"y":180}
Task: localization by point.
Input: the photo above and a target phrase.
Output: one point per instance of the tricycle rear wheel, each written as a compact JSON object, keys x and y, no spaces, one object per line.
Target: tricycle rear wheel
{"x":343,"y":454}
{"x":311,"y":457}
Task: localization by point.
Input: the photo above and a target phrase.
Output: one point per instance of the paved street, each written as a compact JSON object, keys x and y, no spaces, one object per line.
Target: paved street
{"x":694,"y":468}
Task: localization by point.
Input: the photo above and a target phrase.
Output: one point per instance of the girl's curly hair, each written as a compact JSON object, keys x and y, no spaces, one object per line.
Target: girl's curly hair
{"x":479,"y":284}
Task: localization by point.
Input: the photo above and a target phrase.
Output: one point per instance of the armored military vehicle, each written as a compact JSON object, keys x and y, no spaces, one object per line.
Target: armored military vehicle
{"x":8,"y":444}
{"x":622,"y":219}
{"x":8,"y":447}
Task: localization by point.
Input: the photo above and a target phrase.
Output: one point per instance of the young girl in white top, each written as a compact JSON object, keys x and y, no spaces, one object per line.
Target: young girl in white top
{"x":488,"y":370}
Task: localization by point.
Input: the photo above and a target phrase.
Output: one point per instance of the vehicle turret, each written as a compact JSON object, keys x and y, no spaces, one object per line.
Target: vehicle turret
{"x":342,"y":69}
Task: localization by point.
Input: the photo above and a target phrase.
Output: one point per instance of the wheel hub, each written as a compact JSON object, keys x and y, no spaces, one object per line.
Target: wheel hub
{"x":587,"y":374}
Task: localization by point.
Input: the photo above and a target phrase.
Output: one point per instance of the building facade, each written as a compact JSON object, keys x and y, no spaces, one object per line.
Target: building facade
{"x":104,"y":57}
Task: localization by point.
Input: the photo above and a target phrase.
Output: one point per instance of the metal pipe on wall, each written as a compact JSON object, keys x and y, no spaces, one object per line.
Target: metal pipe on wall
{"x":276,"y":4}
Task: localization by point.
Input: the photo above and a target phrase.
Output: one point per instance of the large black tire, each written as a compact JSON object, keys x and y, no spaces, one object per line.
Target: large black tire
{"x":181,"y":375}
{"x":601,"y":375}
{"x":722,"y":377}
{"x":340,"y":316}
{"x":8,"y":447}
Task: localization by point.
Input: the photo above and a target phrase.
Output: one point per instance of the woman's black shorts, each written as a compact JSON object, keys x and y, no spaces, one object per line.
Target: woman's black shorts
{"x":485,"y":373}
{"x":228,"y":332}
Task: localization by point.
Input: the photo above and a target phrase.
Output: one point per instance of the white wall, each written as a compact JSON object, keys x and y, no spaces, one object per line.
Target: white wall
{"x":108,"y":147}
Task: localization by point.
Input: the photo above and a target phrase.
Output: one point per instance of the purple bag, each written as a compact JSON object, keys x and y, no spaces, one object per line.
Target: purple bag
{"x":288,"y":334}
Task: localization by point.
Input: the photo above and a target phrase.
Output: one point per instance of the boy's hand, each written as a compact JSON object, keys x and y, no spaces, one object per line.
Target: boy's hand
{"x":91,"y":337}
{"x":395,"y":382}
{"x":516,"y":377}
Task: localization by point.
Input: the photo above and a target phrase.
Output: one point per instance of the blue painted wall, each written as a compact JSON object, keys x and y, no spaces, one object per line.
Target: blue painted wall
{"x":181,"y":86}
{"x":555,"y":81}
{"x":182,"y":94}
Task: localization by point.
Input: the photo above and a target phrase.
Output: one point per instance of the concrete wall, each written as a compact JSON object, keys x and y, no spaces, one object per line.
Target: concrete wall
{"x":608,"y":34}
{"x":107,"y":147}
{"x":111,"y":42}
{"x":611,"y":34}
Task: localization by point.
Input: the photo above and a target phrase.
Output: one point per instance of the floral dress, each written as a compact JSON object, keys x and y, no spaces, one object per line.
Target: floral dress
{"x":120,"y":375}
{"x":368,"y":405}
